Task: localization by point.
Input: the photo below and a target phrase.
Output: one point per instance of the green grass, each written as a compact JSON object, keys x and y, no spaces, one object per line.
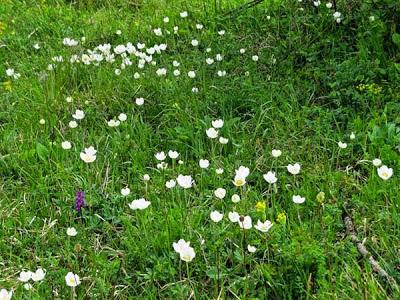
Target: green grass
{"x":302,"y":96}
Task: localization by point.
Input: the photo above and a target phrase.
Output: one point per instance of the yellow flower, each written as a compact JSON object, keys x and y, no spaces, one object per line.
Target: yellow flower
{"x":7,"y":85}
{"x":281,"y":218}
{"x":260,"y":206}
{"x":321,"y":197}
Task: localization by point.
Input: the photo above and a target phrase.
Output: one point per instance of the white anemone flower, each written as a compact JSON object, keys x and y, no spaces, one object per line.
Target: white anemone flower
{"x":72,"y":280}
{"x":212,"y":133}
{"x":204,"y":163}
{"x":79,"y":114}
{"x":298,"y":199}
{"x":384,"y":172}
{"x":233,"y":216}
{"x":263,"y":226}
{"x":38,"y":275}
{"x":276,"y":153}
{"x":217,"y":123}
{"x":216,"y":216}
{"x":89,"y":155}
{"x":270,"y":177}
{"x":220,"y":193}
{"x":139,"y":204}
{"x":294,"y":169}
{"x":184,"y":181}
{"x":71,"y":231}
{"x":245,"y":222}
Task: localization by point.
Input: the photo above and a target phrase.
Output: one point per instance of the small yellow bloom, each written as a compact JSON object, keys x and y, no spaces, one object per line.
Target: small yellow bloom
{"x":7,"y":85}
{"x":281,"y":218}
{"x":321,"y":197}
{"x":260,"y":206}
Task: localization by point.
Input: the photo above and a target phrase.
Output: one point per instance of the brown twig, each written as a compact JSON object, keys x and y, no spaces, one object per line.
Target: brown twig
{"x":365,"y":253}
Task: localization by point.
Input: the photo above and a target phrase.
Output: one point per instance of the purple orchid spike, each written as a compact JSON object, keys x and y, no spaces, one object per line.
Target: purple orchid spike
{"x":80,"y":201}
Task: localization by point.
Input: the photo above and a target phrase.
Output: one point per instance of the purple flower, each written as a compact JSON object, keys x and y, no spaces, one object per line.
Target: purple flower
{"x":80,"y":201}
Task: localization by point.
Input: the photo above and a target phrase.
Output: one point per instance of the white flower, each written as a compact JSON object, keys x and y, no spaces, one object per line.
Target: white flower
{"x":376,"y":162}
{"x":293,"y":169}
{"x":162,"y":166}
{"x":352,"y":136}
{"x":136,"y":75}
{"x":176,"y":63}
{"x":245,"y":222}
{"x":204,"y":163}
{"x":195,"y":90}
{"x":70,"y":42}
{"x":78,"y":115}
{"x":263,"y":226}
{"x":199,"y":26}
{"x":160,"y":156}
{"x":251,"y":248}
{"x":5,"y":295}
{"x":71,"y":231}
{"x":317,"y":3}
{"x":372,"y":18}
{"x":219,"y":171}
{"x":28,"y":286}
{"x":242,"y":51}
{"x":220,"y":193}
{"x":113,"y":123}
{"x":217,"y":123}
{"x":139,"y":204}
{"x":72,"y":124}
{"x":208,"y":50}
{"x":38,"y":275}
{"x":177,"y":72}
{"x":117,"y":72}
{"x":221,"y":73}
{"x":337,"y":15}
{"x":36,"y":46}
{"x":170,"y":184}
{"x":187,"y":254}
{"x":233,"y":216}
{"x":254,"y":57}
{"x":173,"y":154}
{"x":342,"y":145}
{"x":89,"y":155}
{"x":216,"y":216}
{"x":195,"y":43}
{"x":384,"y":172}
{"x":161,"y":72}
{"x":118,"y":32}
{"x":192,"y":74}
{"x":139,"y":101}
{"x":270,"y":177}
{"x":183,"y":14}
{"x":166,"y":19}
{"x":209,"y":61}
{"x":68,"y":99}
{"x":146,"y":177}
{"x":72,"y":279}
{"x":298,"y":199}
{"x":120,"y":49}
{"x":235,"y":198}
{"x":184,"y":181}
{"x":66,"y":145}
{"x":180,"y":245}
{"x":25,"y":276}
{"x":223,"y":140}
{"x":221,"y":32}
{"x":158,"y":31}
{"x":184,"y":250}
{"x":276,"y":153}
{"x":42,"y":121}
{"x":122,"y":117}
{"x":125,"y":191}
{"x":212,"y":133}
{"x":219,"y":57}
{"x":240,"y":176}
{"x":329,"y":5}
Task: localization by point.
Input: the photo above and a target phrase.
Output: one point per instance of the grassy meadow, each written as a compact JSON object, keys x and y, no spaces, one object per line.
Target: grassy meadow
{"x":159,"y":149}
